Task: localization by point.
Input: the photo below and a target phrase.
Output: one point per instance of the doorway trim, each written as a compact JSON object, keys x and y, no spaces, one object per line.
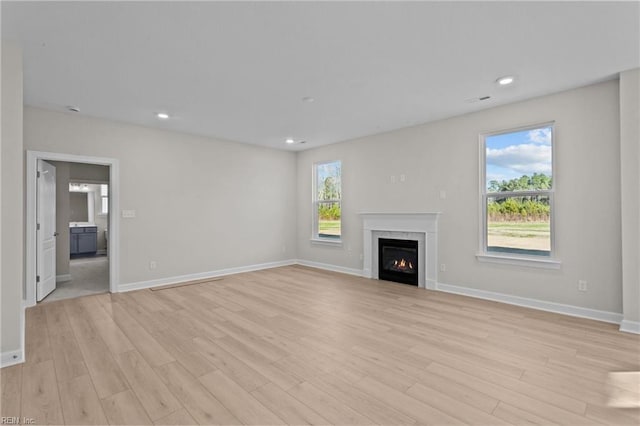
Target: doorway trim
{"x":31,"y":221}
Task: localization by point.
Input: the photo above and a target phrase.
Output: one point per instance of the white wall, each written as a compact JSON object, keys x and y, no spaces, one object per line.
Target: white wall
{"x":444,"y":155}
{"x":630,"y":186}
{"x":12,"y":203}
{"x":88,"y":172}
{"x":201,"y":204}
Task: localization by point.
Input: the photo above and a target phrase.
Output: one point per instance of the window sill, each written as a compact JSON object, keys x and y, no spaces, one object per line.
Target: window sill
{"x":519,"y":261}
{"x":326,"y":242}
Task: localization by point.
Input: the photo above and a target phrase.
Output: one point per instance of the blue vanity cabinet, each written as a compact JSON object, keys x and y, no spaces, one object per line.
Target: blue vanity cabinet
{"x":84,"y":240}
{"x":73,"y":245}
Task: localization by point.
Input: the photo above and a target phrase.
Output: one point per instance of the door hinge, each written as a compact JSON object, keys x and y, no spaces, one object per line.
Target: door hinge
{"x":37,"y":278}
{"x":37,"y":226}
{"x":38,"y":174}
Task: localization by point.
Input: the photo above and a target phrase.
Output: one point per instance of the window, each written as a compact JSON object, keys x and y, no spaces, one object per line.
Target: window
{"x":104,"y":198}
{"x":328,"y":201}
{"x":517,"y":193}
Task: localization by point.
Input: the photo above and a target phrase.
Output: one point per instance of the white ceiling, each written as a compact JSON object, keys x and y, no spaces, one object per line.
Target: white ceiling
{"x":239,"y":70}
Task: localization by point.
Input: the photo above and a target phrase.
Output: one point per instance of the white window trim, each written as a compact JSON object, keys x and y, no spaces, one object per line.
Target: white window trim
{"x":546,"y":262}
{"x":315,"y":236}
{"x":506,"y":259}
{"x":334,"y":242}
{"x":102,"y":199}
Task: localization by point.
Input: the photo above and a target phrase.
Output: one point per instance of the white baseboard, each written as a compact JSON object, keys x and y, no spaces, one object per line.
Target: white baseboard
{"x":101,"y":251}
{"x":630,"y":326}
{"x":559,"y":308}
{"x":10,"y":358}
{"x":202,"y":275}
{"x":430,"y":284}
{"x":63,"y":278}
{"x":328,"y":267}
{"x":17,"y":356}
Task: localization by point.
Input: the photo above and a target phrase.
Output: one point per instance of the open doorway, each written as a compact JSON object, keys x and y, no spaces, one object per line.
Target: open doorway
{"x":85,"y":255}
{"x":82,"y":219}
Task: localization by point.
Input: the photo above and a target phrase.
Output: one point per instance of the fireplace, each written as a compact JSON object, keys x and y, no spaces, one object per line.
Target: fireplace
{"x":398,"y":260}
{"x":420,"y":227}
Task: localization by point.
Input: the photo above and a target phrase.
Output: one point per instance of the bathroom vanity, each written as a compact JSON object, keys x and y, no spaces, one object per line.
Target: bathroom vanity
{"x":84,"y":239}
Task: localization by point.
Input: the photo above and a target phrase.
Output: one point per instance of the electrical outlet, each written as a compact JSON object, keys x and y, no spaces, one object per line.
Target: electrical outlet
{"x":582,"y":285}
{"x":392,"y":178}
{"x":153,"y":264}
{"x":443,"y":194}
{"x":443,"y":267}
{"x":403,"y":178}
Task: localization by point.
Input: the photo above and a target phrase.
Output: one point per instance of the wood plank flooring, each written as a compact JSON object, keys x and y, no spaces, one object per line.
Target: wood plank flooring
{"x":296,"y":345}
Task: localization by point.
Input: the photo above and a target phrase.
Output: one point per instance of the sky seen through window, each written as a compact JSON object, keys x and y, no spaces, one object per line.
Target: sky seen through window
{"x":514,"y":154}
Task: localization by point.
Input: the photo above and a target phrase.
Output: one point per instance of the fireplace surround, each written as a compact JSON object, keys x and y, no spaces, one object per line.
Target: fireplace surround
{"x":420,"y":227}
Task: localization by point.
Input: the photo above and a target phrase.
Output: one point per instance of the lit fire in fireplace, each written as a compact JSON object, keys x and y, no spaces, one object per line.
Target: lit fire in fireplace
{"x":402,"y":265}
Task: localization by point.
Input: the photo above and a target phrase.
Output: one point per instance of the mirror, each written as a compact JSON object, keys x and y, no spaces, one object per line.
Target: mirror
{"x":82,"y":199}
{"x":78,"y":207}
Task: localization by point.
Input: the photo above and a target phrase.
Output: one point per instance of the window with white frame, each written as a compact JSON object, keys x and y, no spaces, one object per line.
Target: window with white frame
{"x":327,"y":201}
{"x":517,"y":192}
{"x":104,"y":199}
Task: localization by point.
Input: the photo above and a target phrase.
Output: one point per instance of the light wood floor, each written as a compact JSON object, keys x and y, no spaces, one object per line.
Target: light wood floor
{"x":302,"y":346}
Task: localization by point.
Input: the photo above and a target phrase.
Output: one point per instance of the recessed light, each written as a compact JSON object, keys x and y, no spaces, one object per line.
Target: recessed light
{"x":506,"y":80}
{"x":72,"y":108}
{"x":308,"y":99}
{"x":162,"y":116}
{"x":289,"y":141}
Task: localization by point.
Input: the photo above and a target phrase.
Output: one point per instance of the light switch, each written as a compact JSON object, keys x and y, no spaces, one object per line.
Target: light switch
{"x":128,"y":213}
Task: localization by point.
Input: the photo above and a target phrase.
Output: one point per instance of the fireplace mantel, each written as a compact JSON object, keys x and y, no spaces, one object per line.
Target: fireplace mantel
{"x":423,"y":225}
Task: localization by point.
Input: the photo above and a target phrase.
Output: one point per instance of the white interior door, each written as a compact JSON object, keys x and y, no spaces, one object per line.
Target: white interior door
{"x":46,"y":230}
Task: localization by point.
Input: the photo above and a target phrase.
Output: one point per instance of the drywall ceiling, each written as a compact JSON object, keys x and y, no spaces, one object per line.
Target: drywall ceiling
{"x":239,"y":70}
